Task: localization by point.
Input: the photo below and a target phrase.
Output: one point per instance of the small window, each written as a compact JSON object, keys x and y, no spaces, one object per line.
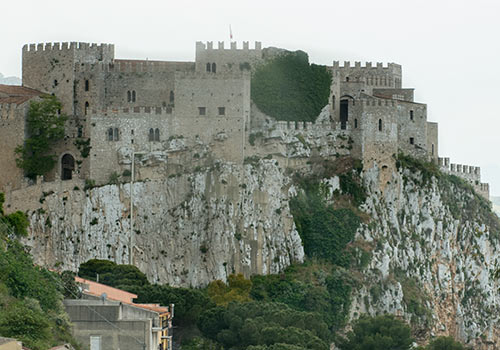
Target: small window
{"x":151,"y":135}
{"x":411,"y":115}
{"x":80,"y":131}
{"x":347,"y":79}
{"x":86,"y":107}
{"x":110,"y":134}
{"x":116,"y":135}
{"x":432,"y":149}
{"x":380,"y":125}
{"x":157,"y":134}
{"x":355,"y":123}
{"x":208,"y":67}
{"x":55,"y":83}
{"x":172,"y":96}
{"x":222,"y":110}
{"x":86,"y":85}
{"x":133,"y":95}
{"x":129,"y":96}
{"x":202,"y":110}
{"x":214,"y":68}
{"x":412,"y":141}
{"x":132,"y":132}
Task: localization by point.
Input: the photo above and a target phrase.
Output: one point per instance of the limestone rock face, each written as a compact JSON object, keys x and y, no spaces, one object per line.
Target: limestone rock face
{"x":425,"y":255}
{"x":188,"y":229}
{"x":433,"y":262}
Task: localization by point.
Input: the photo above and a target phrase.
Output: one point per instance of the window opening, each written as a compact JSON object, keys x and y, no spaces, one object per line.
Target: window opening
{"x":86,"y":107}
{"x":110,"y":134}
{"x":214,"y":68}
{"x":116,"y":135}
{"x":222,"y":110}
{"x":157,"y":134}
{"x":67,"y":167}
{"x":172,"y":96}
{"x":133,"y":95}
{"x":380,"y":125}
{"x":129,"y":96}
{"x":412,"y":141}
{"x":344,"y":114}
{"x":202,"y":110}
{"x":86,"y":85}
{"x":151,"y":135}
{"x":355,"y":123}
{"x":411,"y":115}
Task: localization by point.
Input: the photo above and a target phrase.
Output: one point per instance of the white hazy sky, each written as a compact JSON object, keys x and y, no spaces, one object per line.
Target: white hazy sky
{"x":449,"y":49}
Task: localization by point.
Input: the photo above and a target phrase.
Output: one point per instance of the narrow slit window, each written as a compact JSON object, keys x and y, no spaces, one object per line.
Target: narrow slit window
{"x":86,"y":107}
{"x":412,"y":141}
{"x":129,"y":96}
{"x":86,"y":85}
{"x":411,"y":115}
{"x":214,"y":68}
{"x":172,"y":96}
{"x":116,"y":135}
{"x":151,"y":135}
{"x":380,"y":125}
{"x":157,"y":134}
{"x":355,"y":123}
{"x":208,"y":67}
{"x":133,"y":95}
{"x":110,"y":134}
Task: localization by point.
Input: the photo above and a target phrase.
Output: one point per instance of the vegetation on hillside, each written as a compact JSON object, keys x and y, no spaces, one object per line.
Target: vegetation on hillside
{"x":31,"y":307}
{"x":45,"y":126}
{"x":289,"y":88}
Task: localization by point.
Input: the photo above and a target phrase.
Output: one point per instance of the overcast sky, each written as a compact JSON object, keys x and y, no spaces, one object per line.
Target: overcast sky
{"x":449,"y":49}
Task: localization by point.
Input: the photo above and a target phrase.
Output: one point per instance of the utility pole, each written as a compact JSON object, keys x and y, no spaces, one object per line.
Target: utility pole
{"x":131,"y":238}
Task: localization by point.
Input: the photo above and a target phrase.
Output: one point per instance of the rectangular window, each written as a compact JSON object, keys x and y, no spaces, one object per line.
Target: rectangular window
{"x":95,"y":342}
{"x":202,"y":110}
{"x":222,"y":110}
{"x":411,"y":115}
{"x":412,"y":141}
{"x":86,"y":85}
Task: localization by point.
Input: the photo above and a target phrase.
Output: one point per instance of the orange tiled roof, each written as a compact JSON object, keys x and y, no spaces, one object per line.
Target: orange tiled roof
{"x":98,"y":289}
{"x":17,"y":94}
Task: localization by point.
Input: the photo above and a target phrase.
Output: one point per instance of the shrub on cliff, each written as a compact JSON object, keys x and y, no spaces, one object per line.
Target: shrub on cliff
{"x":45,"y":125}
{"x":289,"y":88}
{"x":377,"y":333}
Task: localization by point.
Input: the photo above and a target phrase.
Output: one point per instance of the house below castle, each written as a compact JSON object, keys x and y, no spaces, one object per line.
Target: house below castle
{"x":171,"y":116}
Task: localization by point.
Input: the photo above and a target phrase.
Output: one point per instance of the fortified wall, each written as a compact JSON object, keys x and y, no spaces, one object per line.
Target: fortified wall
{"x":176,"y":114}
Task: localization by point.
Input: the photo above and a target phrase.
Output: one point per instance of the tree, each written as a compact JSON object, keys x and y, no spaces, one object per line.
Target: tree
{"x":45,"y":127}
{"x":238,"y":289}
{"x":378,"y":333}
{"x":444,"y":343}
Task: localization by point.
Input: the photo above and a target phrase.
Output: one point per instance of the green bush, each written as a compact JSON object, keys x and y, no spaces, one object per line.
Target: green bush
{"x":289,"y":88}
{"x":444,"y":343}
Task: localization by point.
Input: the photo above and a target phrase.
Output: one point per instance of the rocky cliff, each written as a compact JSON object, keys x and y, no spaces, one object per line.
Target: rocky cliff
{"x":434,"y":244}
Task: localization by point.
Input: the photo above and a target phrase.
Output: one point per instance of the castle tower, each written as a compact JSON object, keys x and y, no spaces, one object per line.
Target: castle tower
{"x":51,"y":67}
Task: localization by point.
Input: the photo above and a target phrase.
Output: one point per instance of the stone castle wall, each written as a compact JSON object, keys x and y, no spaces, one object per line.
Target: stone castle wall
{"x":12,"y":134}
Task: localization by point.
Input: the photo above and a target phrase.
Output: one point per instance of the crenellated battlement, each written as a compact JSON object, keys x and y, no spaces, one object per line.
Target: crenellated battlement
{"x":66,"y":46}
{"x":209,"y":46}
{"x":373,"y":102}
{"x":299,"y":126}
{"x":367,"y":65}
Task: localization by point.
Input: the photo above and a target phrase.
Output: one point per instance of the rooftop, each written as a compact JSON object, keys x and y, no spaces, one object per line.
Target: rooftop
{"x":17,"y":94}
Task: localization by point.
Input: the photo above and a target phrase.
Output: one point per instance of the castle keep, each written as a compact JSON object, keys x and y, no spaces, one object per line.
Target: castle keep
{"x":176,"y":116}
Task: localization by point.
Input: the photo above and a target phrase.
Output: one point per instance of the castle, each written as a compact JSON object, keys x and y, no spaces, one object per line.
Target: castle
{"x":175,"y":115}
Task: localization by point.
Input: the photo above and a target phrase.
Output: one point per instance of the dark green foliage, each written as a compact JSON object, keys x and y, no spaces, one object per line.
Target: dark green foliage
{"x":2,"y":201}
{"x":325,"y":231}
{"x":70,"y":288}
{"x":444,"y":343}
{"x":125,"y":277}
{"x":19,"y":223}
{"x":45,"y":128}
{"x":27,"y":323}
{"x":242,"y":325}
{"x":350,"y":185}
{"x":377,"y":333}
{"x":428,"y":170}
{"x":289,"y":88}
{"x":83,"y":146}
{"x":30,"y":297}
{"x":326,"y":293}
{"x":27,"y":281}
{"x":189,"y":303}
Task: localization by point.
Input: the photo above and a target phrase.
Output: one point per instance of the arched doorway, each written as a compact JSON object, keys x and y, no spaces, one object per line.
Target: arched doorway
{"x":344,"y":113}
{"x":67,"y":167}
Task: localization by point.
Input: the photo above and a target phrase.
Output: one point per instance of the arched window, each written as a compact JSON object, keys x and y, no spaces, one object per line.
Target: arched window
{"x":157,"y":134}
{"x":86,"y":85}
{"x":208,"y":67}
{"x":380,"y":125}
{"x":214,"y":68}
{"x":110,"y":134}
{"x":133,"y":95}
{"x":151,"y":135}
{"x":86,"y":107}
{"x":347,"y":79}
{"x":172,"y":96}
{"x":129,"y":96}
{"x":116,"y":135}
{"x":67,"y":167}
{"x":344,"y":113}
